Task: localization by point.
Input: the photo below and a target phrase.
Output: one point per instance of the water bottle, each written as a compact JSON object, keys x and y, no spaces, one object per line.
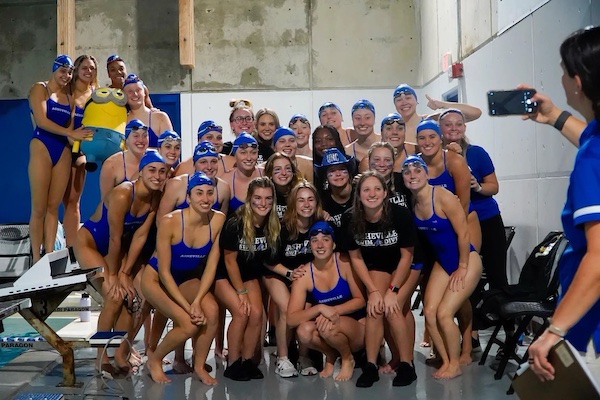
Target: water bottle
{"x":85,"y":301}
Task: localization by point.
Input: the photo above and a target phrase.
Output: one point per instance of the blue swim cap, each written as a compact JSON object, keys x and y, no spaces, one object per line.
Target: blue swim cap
{"x":244,"y":138}
{"x":168,"y":136}
{"x":204,"y":149}
{"x":429,"y":124}
{"x":329,"y":105}
{"x":364,"y":103}
{"x":414,"y":160}
{"x":151,"y":156}
{"x":113,"y":58}
{"x":208,"y":126}
{"x":299,"y":117}
{"x":197,"y":179}
{"x":134,"y":124}
{"x":406,"y":89}
{"x":62,"y":60}
{"x":281,"y":132}
{"x":132,"y":78}
{"x":321,"y":227}
{"x":391,"y":118}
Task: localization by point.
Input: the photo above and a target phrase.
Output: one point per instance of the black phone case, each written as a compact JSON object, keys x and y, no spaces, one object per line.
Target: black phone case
{"x":511,"y":102}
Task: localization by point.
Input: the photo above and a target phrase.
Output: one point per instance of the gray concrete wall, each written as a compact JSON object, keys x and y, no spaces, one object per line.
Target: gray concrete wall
{"x":258,"y":45}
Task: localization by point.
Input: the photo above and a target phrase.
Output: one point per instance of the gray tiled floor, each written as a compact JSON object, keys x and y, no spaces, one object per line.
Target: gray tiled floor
{"x":477,"y":382}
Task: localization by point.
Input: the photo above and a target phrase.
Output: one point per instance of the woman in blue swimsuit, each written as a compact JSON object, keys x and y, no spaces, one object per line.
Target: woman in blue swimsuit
{"x":114,"y":237}
{"x":334,"y":323}
{"x":178,"y":280}
{"x":450,"y":170}
{"x":457,"y":270}
{"x":156,"y":121}
{"x":49,"y":152}
{"x":245,"y":150}
{"x":123,"y":166}
{"x":85,"y":80}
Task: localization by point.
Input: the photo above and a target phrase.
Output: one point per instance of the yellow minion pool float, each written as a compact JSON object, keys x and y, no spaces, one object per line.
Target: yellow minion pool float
{"x":106,"y":115}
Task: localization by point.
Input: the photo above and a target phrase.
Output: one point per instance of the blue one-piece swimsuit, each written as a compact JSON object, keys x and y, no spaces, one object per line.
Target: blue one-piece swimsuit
{"x":60,"y":114}
{"x":100,"y":229}
{"x":440,"y":234}
{"x":337,"y":295}
{"x":186,"y":262}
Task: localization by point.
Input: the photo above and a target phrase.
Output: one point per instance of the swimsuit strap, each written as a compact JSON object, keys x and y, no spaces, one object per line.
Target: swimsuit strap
{"x":216,"y":190}
{"x":149,"y":118}
{"x":432,"y":201}
{"x":124,"y":167}
{"x":405,"y":151}
{"x":348,"y":136}
{"x":444,"y":154}
{"x":132,"y":195}
{"x":233,"y":183}
{"x":47,"y":90}
{"x":337,"y":265}
{"x":312,"y":275}
{"x":182,"y":228}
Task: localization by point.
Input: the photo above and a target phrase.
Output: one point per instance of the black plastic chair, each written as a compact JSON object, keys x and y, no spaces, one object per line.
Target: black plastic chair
{"x":511,"y":310}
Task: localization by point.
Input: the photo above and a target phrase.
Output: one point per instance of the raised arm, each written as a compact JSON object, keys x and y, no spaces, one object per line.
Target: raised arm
{"x":470,"y":112}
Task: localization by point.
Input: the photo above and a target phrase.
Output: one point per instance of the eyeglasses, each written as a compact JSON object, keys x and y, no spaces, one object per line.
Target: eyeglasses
{"x":170,"y":139}
{"x":240,"y":119}
{"x":140,"y":128}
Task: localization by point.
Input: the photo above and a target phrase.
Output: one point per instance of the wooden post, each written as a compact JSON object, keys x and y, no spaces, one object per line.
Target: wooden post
{"x":187,"y":48}
{"x":65,"y":27}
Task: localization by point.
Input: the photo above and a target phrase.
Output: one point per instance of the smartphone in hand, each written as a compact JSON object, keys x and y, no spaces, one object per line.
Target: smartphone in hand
{"x":511,"y":102}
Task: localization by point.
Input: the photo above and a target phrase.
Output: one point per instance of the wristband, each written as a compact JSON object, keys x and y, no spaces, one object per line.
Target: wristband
{"x":556,"y":330}
{"x":394,"y":289}
{"x":373,"y":291}
{"x":124,"y":273}
{"x":242,"y":291}
{"x":560,"y":121}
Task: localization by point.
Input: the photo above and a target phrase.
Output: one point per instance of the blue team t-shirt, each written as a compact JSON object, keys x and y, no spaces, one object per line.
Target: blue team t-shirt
{"x":481,"y":165}
{"x":582,"y":205}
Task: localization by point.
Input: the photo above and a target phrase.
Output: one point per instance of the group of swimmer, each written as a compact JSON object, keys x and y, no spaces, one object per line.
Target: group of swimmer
{"x":326,"y":233}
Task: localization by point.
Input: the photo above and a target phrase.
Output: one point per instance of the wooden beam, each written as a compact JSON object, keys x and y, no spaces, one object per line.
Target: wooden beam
{"x":187,"y":48}
{"x":65,"y":27}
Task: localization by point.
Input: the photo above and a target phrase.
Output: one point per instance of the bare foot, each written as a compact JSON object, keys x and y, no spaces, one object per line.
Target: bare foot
{"x":346,"y":370}
{"x":156,"y":372}
{"x":452,"y":371}
{"x":182,"y":367}
{"x":465,"y":359}
{"x":222,"y":354}
{"x":135,"y":360}
{"x":205,"y":378}
{"x":327,"y":370}
{"x":389,"y":368}
{"x":440,"y":370}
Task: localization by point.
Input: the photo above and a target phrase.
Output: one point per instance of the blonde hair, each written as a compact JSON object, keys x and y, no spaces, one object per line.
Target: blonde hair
{"x":290,"y":218}
{"x":259,"y":114}
{"x":245,"y":216}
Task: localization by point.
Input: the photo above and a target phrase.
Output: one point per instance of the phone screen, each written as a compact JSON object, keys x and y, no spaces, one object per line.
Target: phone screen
{"x":511,"y":102}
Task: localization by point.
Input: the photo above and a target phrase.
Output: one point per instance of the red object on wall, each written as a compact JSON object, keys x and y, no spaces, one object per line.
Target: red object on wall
{"x":456,"y":70}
